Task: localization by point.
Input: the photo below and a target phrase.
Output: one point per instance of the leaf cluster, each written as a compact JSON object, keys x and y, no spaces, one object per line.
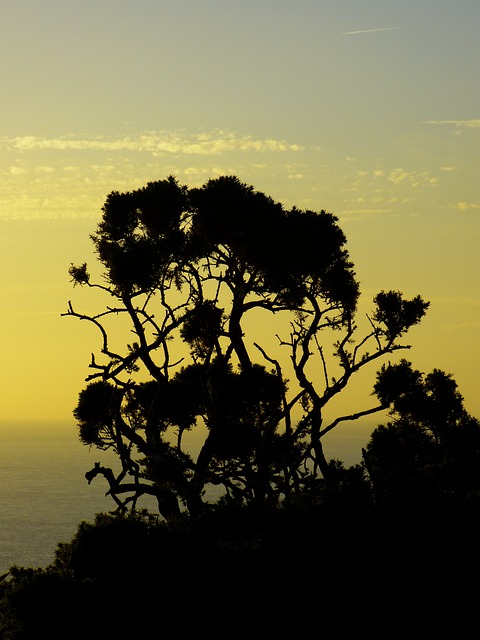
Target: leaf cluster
{"x":396,"y":314}
{"x":430,"y":450}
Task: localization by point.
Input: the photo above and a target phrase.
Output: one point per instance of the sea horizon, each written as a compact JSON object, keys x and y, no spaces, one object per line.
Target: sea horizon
{"x":45,"y":494}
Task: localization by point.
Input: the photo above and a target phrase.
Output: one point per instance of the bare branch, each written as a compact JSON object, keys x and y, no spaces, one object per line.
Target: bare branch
{"x":324,"y":363}
{"x":116,"y":488}
{"x":94,"y":321}
{"x":353,"y":416}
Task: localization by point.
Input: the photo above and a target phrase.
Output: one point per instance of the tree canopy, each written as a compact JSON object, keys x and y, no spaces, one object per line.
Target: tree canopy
{"x":429,"y":452}
{"x":243,"y":321}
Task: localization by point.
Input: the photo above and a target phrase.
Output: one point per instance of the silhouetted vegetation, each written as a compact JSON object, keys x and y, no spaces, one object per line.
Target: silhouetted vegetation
{"x":243,"y":323}
{"x":240,"y":317}
{"x":236,"y":571}
{"x":430,"y":451}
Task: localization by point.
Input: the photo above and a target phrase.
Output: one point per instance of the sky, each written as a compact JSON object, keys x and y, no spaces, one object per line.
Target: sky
{"x":369,"y":109}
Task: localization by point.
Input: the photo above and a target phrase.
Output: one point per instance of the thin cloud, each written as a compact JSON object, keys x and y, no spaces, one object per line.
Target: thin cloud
{"x":413,"y":178}
{"x":398,"y":175}
{"x":465,"y":206}
{"x":45,"y":169}
{"x":18,"y":171}
{"x":360,"y":31}
{"x":158,"y":144}
{"x":459,"y":124}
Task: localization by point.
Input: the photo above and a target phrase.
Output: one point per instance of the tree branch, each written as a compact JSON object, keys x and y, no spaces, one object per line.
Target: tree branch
{"x":353,"y":416}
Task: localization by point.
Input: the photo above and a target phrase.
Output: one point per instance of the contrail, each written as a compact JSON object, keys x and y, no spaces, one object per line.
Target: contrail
{"x":353,"y":33}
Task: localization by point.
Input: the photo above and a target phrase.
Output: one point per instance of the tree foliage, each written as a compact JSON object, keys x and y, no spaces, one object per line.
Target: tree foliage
{"x":243,"y":317}
{"x":430,"y":450}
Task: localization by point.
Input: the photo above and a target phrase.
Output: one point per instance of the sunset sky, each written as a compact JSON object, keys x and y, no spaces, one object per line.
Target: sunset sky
{"x":369,"y":109}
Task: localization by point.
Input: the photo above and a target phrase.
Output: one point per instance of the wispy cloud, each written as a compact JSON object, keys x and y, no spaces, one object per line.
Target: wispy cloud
{"x":458,"y":124}
{"x":360,"y":31}
{"x":413,"y":178}
{"x":156,"y":143}
{"x":67,"y":176}
{"x":465,"y":206}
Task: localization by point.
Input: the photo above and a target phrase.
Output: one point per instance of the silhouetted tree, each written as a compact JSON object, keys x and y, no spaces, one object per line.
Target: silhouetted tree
{"x":243,"y":321}
{"x":430,"y":451}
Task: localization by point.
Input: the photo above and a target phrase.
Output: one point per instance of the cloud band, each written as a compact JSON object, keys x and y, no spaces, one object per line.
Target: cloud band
{"x":162,"y":143}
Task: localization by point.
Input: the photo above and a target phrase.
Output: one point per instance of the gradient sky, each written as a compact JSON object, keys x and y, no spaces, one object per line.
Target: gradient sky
{"x":369,"y":109}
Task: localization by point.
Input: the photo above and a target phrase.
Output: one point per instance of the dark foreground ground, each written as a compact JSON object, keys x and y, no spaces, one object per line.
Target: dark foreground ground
{"x":377,"y":573}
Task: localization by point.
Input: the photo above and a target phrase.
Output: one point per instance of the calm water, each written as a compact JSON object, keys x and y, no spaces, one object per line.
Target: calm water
{"x":44,"y":494}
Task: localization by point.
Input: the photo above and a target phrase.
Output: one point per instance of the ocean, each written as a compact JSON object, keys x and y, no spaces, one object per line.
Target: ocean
{"x":44,"y":494}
